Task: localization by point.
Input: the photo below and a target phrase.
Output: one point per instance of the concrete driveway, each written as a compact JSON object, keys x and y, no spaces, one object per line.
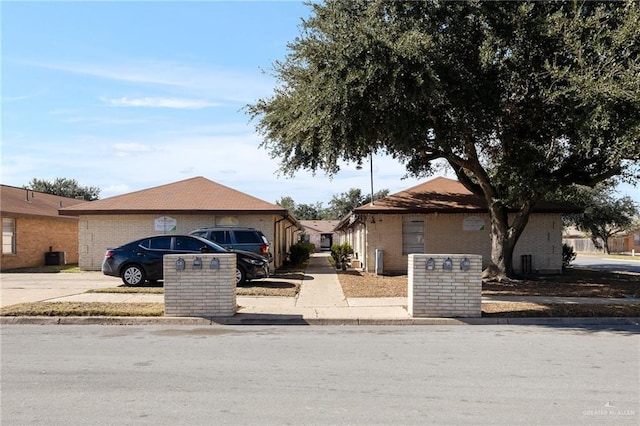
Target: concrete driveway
{"x":29,"y":287}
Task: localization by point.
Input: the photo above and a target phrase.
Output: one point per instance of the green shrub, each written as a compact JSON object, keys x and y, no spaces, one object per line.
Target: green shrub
{"x":300,"y":252}
{"x":568,"y":255}
{"x":340,"y":252}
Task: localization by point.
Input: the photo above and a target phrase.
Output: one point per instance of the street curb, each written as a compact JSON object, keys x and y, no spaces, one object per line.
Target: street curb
{"x":289,"y":320}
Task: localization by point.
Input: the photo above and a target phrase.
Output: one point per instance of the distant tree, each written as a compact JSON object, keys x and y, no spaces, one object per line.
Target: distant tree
{"x":342,"y":204}
{"x":65,"y":188}
{"x":376,"y":196}
{"x":302,"y":211}
{"x":287,"y":203}
{"x":604,"y":214}
{"x":520,"y":98}
{"x":309,"y":211}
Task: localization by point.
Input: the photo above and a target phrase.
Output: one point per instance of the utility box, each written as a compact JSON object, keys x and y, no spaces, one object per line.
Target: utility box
{"x":526,"y":264}
{"x":55,"y":258}
{"x":379,"y":254}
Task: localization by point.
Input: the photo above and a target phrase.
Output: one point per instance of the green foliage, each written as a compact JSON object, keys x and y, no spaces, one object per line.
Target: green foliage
{"x":340,"y":252}
{"x":300,"y":252}
{"x":339,"y":206}
{"x":568,"y":255}
{"x":342,"y":204}
{"x":65,"y":188}
{"x":605,"y":215}
{"x":519,"y":98}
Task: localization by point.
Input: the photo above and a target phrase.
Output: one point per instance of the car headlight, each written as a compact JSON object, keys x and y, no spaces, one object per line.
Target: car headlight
{"x":253,"y":261}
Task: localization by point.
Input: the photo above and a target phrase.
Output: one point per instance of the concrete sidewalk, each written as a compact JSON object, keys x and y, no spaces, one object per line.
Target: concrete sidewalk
{"x":322,"y":301}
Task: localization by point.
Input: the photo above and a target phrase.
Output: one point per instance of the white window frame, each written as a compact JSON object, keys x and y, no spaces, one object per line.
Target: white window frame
{"x":8,"y":235}
{"x":413,"y":235}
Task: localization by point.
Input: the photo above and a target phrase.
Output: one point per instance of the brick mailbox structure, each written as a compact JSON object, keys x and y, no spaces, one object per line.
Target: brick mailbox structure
{"x":445,"y":285}
{"x":200,"y":285}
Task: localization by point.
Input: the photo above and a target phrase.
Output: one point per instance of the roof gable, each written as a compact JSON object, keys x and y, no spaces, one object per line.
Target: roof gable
{"x":443,"y":195}
{"x":436,"y":195}
{"x":25,"y":202}
{"x":320,"y":226}
{"x":193,"y":195}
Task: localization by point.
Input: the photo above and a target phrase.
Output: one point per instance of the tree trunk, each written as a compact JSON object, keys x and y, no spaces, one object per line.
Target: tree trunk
{"x":504,"y":237}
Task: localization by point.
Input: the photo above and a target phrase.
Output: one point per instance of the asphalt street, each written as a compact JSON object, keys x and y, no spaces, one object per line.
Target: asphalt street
{"x":631,"y":264}
{"x":189,"y":375}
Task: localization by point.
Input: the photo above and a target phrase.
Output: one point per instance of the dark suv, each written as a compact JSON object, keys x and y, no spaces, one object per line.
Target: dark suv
{"x":237,"y":238}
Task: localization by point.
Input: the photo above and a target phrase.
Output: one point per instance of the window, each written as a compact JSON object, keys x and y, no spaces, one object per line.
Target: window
{"x":160,"y":243}
{"x":188,"y":244}
{"x":244,"y":237}
{"x":636,"y":239}
{"x":8,"y":236}
{"x":220,"y":237}
{"x":412,"y":234}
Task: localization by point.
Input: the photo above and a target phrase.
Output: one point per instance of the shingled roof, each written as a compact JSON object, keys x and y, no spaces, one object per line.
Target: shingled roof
{"x":320,"y":226}
{"x":21,"y":202}
{"x":443,"y":195}
{"x":190,"y":196}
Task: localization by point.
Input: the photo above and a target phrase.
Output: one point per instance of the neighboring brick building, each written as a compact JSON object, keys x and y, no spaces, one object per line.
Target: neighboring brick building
{"x":442,"y":216}
{"x":31,"y":227}
{"x":177,"y":208}
{"x":320,"y":233}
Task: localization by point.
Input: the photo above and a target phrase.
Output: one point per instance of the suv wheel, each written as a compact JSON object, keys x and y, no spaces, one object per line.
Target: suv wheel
{"x":133,"y":275}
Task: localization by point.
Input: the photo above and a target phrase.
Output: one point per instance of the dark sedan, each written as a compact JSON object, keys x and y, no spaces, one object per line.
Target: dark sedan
{"x":141,"y":260}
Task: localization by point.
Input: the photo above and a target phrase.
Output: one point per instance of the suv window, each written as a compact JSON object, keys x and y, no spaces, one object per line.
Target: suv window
{"x":221,"y":237}
{"x":243,"y":237}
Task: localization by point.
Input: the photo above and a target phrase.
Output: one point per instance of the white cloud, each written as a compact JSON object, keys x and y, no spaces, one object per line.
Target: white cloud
{"x":149,"y":102}
{"x":6,"y":99}
{"x":228,"y":84}
{"x":125,"y":149}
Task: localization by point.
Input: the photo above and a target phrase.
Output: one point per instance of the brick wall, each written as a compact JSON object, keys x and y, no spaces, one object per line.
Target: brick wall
{"x":34,"y":237}
{"x":444,"y":293}
{"x":100,"y":232}
{"x":445,"y":233}
{"x":385,"y":234}
{"x":200,"y":292}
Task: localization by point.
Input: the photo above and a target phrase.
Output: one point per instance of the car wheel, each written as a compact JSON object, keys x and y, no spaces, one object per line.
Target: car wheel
{"x":133,"y":275}
{"x":241,"y":276}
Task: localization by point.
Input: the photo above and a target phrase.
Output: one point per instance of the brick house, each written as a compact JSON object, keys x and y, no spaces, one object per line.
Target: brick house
{"x":31,"y":227}
{"x":177,"y":208}
{"x":632,"y":242}
{"x":320,"y":233}
{"x":442,"y":216}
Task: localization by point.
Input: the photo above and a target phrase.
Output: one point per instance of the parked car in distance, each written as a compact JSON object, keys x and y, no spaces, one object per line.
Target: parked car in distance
{"x":141,"y":260}
{"x":237,"y":238}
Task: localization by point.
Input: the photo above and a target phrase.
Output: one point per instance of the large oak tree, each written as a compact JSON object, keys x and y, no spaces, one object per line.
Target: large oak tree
{"x":519,"y":98}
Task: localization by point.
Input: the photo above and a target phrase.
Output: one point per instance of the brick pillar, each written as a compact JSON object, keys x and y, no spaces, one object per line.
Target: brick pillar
{"x":200,"y":292}
{"x":441,"y":292}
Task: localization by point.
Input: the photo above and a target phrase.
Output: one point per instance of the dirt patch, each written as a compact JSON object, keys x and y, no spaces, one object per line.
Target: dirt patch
{"x":84,"y":309}
{"x":566,"y":310}
{"x":364,"y":284}
{"x":574,"y":283}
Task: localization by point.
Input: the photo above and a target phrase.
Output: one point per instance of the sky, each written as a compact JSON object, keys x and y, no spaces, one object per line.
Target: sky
{"x":128,"y":95}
